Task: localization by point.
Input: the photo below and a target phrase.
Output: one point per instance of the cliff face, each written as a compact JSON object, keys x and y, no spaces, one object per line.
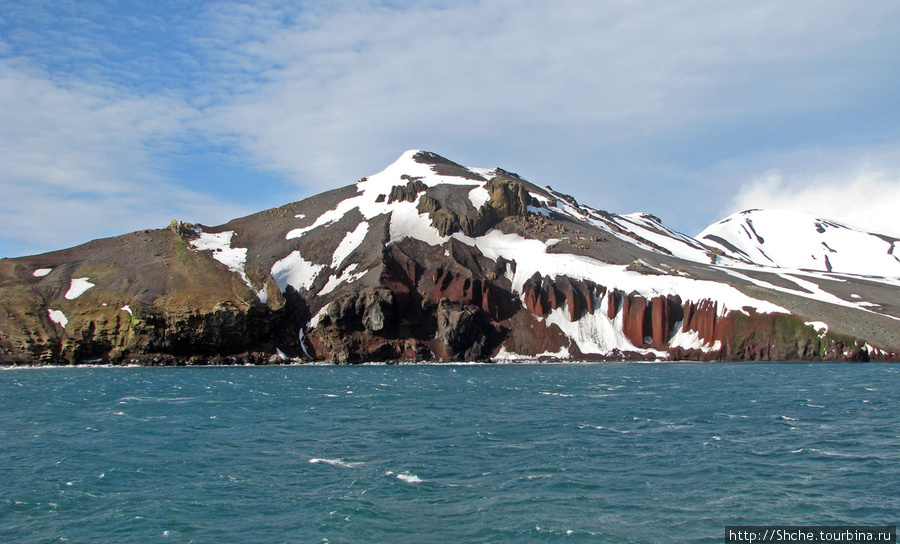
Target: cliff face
{"x":430,"y":260}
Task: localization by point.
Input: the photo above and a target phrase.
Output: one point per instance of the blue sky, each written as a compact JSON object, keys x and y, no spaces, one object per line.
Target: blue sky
{"x":117,"y":116}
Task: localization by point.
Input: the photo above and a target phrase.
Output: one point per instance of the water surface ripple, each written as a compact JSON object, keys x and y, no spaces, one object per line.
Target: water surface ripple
{"x":419,"y":453}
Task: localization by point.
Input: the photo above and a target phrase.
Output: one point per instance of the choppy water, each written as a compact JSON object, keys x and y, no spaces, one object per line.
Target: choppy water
{"x":507,"y":453}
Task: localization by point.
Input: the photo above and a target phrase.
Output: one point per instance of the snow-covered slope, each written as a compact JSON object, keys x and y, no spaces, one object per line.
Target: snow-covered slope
{"x":800,"y":240}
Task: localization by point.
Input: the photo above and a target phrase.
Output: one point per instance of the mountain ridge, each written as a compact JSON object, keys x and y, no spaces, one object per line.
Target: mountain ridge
{"x":432,"y":260}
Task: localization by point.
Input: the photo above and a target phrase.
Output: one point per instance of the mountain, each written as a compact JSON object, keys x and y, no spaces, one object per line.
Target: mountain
{"x":791,"y":239}
{"x":431,"y":260}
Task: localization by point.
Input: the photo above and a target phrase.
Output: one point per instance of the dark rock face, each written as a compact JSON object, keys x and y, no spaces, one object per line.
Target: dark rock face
{"x":542,"y":295}
{"x":649,"y":323}
{"x":506,"y":199}
{"x":445,"y":167}
{"x":422,"y":311}
{"x":407,"y":193}
{"x":464,"y":330}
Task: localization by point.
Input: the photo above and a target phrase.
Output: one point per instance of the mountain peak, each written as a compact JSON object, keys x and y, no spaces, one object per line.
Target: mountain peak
{"x":801,"y":240}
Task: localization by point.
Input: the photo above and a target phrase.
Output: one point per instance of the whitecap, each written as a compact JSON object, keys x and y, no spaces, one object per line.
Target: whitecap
{"x":405,"y":476}
{"x":339,"y":463}
{"x":587,"y":426}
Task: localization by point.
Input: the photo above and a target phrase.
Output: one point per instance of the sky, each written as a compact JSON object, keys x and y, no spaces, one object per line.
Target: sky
{"x":121,"y":115}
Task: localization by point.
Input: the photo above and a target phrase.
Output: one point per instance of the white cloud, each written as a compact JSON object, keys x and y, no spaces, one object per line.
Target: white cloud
{"x":864,"y":194}
{"x":80,"y":161}
{"x":339,"y":93}
{"x":76,"y":135}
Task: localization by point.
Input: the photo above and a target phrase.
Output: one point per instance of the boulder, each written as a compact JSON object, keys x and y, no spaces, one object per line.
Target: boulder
{"x":462,"y":330}
{"x":368,"y":309}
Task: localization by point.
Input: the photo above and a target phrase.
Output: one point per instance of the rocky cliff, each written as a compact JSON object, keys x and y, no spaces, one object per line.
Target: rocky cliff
{"x":430,"y":260}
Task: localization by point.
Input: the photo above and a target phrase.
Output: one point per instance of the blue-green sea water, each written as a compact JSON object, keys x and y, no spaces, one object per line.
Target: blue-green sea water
{"x":463,"y":454}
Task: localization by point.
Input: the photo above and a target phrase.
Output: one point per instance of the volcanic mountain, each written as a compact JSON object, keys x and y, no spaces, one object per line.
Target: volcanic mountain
{"x":431,"y":260}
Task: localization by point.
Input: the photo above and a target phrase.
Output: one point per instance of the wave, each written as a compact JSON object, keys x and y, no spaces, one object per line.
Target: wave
{"x":339,"y":463}
{"x":405,"y":476}
{"x":176,"y":400}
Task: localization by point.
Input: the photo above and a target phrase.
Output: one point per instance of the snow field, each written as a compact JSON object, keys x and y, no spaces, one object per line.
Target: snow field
{"x":813,"y":243}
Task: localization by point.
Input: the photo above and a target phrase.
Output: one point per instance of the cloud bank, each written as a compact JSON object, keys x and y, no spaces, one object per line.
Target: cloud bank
{"x":864,"y":194}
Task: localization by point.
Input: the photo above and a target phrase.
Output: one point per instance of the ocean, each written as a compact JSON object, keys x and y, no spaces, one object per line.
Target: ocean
{"x":574,"y":453}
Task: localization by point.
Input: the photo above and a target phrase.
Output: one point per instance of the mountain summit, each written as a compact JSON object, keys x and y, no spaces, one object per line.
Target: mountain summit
{"x":431,"y":260}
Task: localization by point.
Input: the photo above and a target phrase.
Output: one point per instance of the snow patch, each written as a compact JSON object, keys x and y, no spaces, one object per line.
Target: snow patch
{"x":58,"y":317}
{"x":77,"y":288}
{"x":406,"y":221}
{"x":347,"y":276}
{"x":593,"y":333}
{"x":819,"y":326}
{"x":479,"y":196}
{"x":295,"y":271}
{"x":691,"y":340}
{"x":325,"y":219}
{"x":405,"y":218}
{"x":314,"y":320}
{"x":127,"y":308}
{"x":351,"y":241}
{"x":220,"y":244}
{"x":41,"y":272}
